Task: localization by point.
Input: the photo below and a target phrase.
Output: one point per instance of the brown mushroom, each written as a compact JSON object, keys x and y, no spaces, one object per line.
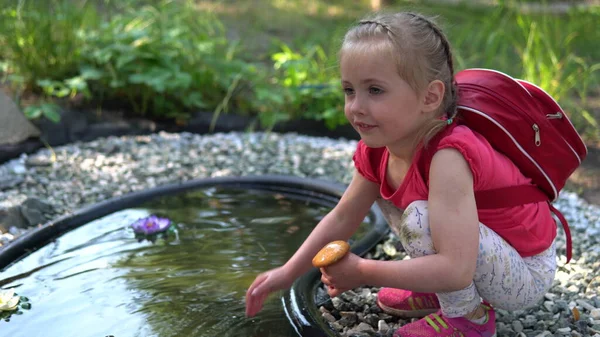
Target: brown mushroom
{"x":331,"y":253}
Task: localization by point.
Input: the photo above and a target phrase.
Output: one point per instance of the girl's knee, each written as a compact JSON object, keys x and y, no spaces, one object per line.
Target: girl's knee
{"x":416,"y":217}
{"x":414,"y":232}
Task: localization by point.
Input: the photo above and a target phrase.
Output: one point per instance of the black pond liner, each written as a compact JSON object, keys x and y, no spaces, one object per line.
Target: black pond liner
{"x":299,"y":301}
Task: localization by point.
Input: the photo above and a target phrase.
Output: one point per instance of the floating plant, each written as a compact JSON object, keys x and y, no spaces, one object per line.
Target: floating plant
{"x":152,"y":227}
{"x":11,"y":303}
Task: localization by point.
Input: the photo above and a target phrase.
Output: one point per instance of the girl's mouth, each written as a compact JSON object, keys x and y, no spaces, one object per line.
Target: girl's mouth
{"x":364,"y":127}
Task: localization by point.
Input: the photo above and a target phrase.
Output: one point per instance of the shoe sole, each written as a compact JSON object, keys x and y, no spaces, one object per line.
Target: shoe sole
{"x":407,"y":313}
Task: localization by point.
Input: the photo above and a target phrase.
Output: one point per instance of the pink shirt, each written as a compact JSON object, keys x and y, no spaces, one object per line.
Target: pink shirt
{"x":529,"y":228}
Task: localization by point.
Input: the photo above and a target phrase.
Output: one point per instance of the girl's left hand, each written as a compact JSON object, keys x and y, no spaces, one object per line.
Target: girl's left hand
{"x":343,"y":275}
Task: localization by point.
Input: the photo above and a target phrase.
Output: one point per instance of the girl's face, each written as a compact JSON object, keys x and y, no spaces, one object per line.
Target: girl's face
{"x":379,"y":104}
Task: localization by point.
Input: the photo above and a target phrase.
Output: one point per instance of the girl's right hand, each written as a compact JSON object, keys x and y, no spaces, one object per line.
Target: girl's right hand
{"x":339,"y":224}
{"x":264,"y":284}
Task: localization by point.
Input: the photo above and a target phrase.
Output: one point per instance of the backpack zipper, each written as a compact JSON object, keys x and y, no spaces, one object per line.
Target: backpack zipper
{"x":525,"y":153}
{"x":537,"y":137}
{"x":557,"y":115}
{"x":538,"y":140}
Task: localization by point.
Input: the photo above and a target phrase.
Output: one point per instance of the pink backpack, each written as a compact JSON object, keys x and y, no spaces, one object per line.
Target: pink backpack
{"x":526,"y":124}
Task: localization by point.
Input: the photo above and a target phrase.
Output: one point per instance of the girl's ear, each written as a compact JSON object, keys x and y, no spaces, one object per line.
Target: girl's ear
{"x":434,"y":96}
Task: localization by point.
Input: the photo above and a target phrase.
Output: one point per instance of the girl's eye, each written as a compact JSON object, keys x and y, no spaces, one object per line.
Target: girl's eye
{"x":348,"y":91}
{"x":375,"y":91}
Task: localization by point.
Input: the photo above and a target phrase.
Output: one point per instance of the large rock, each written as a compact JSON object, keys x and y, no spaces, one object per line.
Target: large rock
{"x":14,"y":127}
{"x":31,"y":212}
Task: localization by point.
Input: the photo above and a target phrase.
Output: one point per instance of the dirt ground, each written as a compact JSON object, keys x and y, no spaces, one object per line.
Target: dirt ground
{"x":586,"y":179}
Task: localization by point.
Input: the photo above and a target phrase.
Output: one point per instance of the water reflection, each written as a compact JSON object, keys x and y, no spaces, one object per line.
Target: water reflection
{"x":98,"y":280}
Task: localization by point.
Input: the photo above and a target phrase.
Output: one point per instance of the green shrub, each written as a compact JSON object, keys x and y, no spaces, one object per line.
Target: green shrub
{"x":41,"y":40}
{"x":169,"y":58}
{"x":166,"y":60}
{"x":309,"y":85}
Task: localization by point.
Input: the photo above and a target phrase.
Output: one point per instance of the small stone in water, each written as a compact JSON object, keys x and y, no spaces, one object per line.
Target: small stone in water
{"x":292,"y":229}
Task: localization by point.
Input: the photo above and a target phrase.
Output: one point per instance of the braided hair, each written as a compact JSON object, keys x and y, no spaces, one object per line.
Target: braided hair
{"x":422,"y":49}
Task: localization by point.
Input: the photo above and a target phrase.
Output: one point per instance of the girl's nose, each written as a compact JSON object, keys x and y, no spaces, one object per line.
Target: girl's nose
{"x":356,"y":106}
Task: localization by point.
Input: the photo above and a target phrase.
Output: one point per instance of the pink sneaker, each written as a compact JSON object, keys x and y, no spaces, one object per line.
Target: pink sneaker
{"x":438,"y":325}
{"x":404,"y":303}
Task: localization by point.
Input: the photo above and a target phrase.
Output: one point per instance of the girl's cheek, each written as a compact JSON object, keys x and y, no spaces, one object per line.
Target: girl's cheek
{"x":347,"y":110}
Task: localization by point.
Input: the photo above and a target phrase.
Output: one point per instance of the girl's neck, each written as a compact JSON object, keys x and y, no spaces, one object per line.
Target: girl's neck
{"x":402,"y":152}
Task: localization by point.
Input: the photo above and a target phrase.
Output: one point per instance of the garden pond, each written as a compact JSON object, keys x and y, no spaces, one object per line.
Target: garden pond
{"x":101,"y":279}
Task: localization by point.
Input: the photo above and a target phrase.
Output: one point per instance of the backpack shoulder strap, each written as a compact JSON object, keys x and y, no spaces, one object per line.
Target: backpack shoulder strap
{"x":486,"y":199}
{"x":510,"y":196}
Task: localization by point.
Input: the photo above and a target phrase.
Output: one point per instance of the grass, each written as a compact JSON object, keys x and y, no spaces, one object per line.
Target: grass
{"x":297,"y":23}
{"x":46,"y":45}
{"x":470,"y":29}
{"x":556,"y":51}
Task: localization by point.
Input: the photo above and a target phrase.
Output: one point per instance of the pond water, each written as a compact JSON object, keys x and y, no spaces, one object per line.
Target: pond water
{"x":99,"y":280}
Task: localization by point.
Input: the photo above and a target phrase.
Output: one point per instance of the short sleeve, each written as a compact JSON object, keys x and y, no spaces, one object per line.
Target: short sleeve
{"x":366,"y":161}
{"x":471,"y":146}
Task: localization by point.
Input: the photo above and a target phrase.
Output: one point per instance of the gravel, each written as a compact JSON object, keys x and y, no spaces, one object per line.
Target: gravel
{"x":51,"y":183}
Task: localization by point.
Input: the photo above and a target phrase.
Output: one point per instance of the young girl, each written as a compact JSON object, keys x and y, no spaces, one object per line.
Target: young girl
{"x":397,"y":76}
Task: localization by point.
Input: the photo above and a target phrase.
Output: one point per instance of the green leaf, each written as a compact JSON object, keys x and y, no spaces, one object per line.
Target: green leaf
{"x":62,"y":91}
{"x":90,"y":73}
{"x":16,"y":78}
{"x":139,"y":78}
{"x":116,"y":83}
{"x":124,"y":59}
{"x":183,"y":80}
{"x":32,"y":112}
{"x":51,"y":112}
{"x":194,"y":100}
{"x":45,"y":83}
{"x":77,"y":83}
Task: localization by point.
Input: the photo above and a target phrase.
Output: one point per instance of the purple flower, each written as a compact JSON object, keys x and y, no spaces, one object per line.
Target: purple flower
{"x":151,"y":225}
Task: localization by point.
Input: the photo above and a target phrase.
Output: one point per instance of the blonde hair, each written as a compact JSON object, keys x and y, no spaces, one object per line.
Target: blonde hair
{"x":421,"y":52}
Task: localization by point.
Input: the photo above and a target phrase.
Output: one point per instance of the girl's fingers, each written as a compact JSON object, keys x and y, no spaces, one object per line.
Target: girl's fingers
{"x":257,"y":282}
{"x":326,"y":280}
{"x":255,"y":304}
{"x":255,"y":296}
{"x":333,"y":292}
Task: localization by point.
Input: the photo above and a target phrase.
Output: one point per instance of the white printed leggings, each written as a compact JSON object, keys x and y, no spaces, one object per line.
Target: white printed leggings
{"x":502,"y":277}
